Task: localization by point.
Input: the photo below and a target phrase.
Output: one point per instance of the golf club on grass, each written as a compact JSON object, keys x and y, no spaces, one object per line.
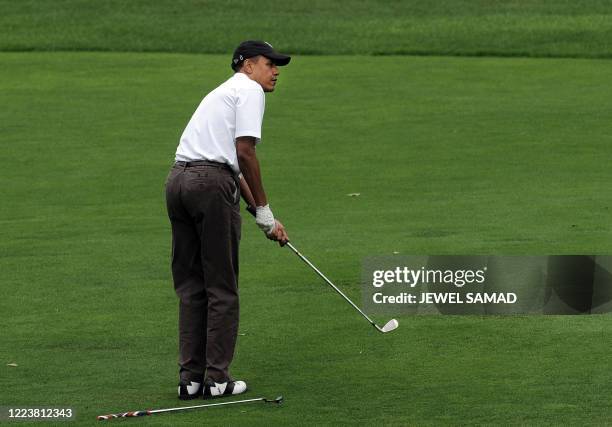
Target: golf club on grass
{"x":278,"y":400}
{"x":389,"y":326}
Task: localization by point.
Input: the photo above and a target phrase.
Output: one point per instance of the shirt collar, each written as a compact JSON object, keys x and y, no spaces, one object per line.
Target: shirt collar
{"x":240,"y":75}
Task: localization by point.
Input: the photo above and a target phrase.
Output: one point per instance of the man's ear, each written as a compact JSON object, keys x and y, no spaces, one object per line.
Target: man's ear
{"x":247,"y":67}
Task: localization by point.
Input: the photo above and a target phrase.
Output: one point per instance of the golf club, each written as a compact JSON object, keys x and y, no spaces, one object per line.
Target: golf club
{"x":278,"y":400}
{"x":389,"y":326}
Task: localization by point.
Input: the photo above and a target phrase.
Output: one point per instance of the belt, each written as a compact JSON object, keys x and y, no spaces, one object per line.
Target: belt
{"x":203,"y":163}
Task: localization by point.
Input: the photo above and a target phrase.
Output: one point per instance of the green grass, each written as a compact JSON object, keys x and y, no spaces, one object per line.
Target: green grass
{"x":450,"y":27}
{"x":450,"y":155}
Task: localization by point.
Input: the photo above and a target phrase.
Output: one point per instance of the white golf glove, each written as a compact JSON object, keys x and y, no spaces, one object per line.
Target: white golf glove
{"x":264,"y":219}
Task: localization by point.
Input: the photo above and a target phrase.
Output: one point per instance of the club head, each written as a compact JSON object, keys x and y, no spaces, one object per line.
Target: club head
{"x":278,"y":400}
{"x":391,"y":325}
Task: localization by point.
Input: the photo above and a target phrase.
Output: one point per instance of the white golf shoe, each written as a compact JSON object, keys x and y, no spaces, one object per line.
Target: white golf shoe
{"x":188,"y":390}
{"x":214,"y":389}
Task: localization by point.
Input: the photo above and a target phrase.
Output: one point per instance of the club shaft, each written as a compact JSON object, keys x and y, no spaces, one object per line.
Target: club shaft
{"x":311,"y":265}
{"x":182,"y":408}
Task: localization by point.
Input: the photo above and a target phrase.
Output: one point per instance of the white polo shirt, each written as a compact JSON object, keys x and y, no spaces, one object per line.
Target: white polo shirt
{"x":234,"y":109}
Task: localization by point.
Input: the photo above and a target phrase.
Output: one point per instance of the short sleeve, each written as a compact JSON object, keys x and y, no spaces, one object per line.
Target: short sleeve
{"x":249,"y":113}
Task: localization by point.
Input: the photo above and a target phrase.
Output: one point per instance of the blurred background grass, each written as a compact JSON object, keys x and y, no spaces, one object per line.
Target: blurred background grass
{"x":449,"y":27}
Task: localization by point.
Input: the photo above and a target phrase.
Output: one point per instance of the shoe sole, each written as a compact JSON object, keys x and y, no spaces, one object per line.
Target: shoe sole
{"x":205,"y":397}
{"x":190,"y":397}
{"x":221,"y":396}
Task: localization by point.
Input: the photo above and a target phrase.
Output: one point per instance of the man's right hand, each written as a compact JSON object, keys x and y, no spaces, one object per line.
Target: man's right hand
{"x":279,"y":234}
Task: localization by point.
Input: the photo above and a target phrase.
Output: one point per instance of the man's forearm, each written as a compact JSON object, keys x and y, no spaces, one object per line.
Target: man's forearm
{"x":249,"y":166}
{"x":247,"y":196}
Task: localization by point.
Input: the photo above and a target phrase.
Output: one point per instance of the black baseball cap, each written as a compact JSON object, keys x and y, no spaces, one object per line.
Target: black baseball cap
{"x":251,"y":48}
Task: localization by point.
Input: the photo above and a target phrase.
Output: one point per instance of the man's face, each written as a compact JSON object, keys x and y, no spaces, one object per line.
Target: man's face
{"x":263,"y":71}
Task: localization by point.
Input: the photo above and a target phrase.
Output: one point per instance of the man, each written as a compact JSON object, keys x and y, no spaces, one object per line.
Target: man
{"x":215,"y":163}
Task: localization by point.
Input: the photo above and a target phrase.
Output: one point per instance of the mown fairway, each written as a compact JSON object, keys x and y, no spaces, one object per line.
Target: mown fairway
{"x":463,"y":155}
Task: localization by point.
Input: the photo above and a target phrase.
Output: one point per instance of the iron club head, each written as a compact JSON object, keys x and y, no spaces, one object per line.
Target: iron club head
{"x":391,"y":325}
{"x":278,"y":400}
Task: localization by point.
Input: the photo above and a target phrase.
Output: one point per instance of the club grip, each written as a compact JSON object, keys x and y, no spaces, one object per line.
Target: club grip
{"x":123,"y":415}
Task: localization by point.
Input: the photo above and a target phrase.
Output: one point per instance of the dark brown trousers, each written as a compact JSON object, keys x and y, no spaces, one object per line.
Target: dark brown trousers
{"x":203,"y":202}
